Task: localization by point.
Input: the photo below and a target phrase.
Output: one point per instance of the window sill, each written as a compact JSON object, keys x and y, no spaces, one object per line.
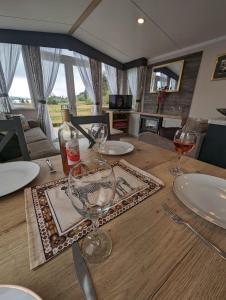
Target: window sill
{"x":23,"y":108}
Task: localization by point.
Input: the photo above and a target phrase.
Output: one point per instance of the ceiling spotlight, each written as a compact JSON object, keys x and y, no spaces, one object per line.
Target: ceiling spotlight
{"x":140,"y":20}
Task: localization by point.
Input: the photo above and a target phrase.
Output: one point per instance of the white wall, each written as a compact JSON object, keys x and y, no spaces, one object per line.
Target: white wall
{"x":209,"y":95}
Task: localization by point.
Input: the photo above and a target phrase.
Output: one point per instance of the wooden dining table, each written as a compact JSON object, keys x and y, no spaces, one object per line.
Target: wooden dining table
{"x":152,"y":257}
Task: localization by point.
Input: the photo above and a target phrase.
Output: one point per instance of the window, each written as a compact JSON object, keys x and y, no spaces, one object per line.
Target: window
{"x":19,"y":92}
{"x":58,"y":97}
{"x":83,"y":101}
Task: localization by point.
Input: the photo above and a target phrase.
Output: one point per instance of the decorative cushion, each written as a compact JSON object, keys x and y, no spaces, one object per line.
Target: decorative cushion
{"x":34,"y":134}
{"x":24,"y":122}
{"x":42,"y":149}
{"x":2,"y":116}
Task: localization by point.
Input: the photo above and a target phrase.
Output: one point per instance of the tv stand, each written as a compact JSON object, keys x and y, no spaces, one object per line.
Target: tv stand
{"x":119,"y":119}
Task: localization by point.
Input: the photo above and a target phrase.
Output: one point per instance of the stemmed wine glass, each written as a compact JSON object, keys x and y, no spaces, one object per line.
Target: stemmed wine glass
{"x":92,"y":194}
{"x":184,"y":141}
{"x":99,"y":132}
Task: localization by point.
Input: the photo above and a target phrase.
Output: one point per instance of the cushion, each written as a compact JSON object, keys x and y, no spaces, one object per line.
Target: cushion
{"x":23,"y":119}
{"x":42,"y":149}
{"x":11,"y":150}
{"x":2,"y":116}
{"x":34,"y":134}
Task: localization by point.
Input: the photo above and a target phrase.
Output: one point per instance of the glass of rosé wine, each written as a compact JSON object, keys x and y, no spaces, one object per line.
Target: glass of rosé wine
{"x":184,"y":142}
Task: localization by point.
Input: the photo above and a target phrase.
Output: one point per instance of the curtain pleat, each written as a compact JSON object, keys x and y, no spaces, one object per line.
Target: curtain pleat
{"x":121,"y":82}
{"x":95,"y":67}
{"x":136,"y":81}
{"x":141,"y":81}
{"x":132,"y":80}
{"x":9,"y":56}
{"x":111,"y":75}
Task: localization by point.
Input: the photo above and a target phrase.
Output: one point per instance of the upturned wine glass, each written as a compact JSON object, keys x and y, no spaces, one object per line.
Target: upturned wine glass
{"x":99,"y":132}
{"x":184,"y":141}
{"x":92,"y":194}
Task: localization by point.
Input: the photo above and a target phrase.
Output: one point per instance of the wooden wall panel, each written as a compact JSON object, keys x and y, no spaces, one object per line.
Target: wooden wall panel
{"x":176,"y":103}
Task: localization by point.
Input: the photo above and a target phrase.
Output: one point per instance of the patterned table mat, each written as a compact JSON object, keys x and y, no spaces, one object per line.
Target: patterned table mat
{"x":52,"y":222}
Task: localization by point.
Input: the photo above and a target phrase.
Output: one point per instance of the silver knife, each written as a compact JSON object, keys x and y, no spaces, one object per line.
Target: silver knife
{"x":83,"y":274}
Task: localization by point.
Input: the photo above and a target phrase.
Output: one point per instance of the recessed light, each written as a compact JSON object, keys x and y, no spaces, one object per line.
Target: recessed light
{"x":140,"y":20}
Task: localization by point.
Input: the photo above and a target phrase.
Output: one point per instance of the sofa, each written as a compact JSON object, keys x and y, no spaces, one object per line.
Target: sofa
{"x":37,"y":144}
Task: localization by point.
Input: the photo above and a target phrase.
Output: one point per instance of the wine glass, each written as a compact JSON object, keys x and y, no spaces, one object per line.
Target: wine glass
{"x":92,"y":194}
{"x":184,"y":141}
{"x":99,"y":132}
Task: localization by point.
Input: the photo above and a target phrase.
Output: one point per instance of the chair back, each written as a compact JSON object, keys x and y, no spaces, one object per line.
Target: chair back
{"x":13,"y":126}
{"x":77,"y":121}
{"x":156,"y":140}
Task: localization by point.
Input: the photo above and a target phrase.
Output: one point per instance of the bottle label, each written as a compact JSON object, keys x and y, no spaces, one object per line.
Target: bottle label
{"x":72,"y":151}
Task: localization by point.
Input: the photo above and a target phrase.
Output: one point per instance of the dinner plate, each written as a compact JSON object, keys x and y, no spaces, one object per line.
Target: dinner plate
{"x":116,"y":148}
{"x":15,"y":175}
{"x":14,"y":292}
{"x":205,"y":195}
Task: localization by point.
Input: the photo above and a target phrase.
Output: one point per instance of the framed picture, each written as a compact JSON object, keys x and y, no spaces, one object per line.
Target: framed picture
{"x":220,"y":68}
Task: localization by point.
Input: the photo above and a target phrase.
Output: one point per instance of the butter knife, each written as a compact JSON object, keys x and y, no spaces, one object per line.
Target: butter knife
{"x":82,"y":273}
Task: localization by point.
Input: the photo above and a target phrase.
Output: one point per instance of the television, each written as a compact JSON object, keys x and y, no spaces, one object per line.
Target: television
{"x":120,"y":102}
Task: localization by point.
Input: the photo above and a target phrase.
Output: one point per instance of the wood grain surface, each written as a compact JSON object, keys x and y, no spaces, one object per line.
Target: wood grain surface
{"x":152,"y":258}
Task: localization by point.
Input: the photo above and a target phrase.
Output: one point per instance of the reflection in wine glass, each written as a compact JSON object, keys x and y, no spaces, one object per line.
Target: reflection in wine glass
{"x":184,"y":142}
{"x":92,"y":193}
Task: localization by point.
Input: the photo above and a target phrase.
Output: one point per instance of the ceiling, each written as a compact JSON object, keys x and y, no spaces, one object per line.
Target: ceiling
{"x":112,"y":27}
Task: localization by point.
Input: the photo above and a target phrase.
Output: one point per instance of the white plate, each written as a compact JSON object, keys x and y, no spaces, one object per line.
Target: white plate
{"x":116,"y":148}
{"x":15,"y":175}
{"x":14,"y":292}
{"x":203,"y":194}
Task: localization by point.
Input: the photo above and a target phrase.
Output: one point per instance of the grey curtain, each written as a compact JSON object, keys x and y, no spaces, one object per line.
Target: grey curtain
{"x":41,"y":75}
{"x":50,"y":59}
{"x":133,"y":84}
{"x":121,"y":82}
{"x":90,"y":72}
{"x":111,"y":75}
{"x":9,"y":56}
{"x":83,"y":64}
{"x":95,"y":67}
{"x":141,"y":81}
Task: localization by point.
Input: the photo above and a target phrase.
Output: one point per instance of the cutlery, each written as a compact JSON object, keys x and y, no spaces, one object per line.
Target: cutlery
{"x":83,"y":274}
{"x":179,"y":220}
{"x":50,"y":165}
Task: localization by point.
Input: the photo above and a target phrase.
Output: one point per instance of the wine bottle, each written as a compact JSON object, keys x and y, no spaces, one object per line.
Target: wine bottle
{"x":69,"y":145}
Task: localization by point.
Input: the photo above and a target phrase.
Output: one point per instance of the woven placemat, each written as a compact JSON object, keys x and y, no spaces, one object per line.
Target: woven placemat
{"x":52,"y":222}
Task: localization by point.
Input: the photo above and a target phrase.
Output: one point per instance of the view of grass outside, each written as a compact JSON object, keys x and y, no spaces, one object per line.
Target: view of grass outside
{"x":83,"y":103}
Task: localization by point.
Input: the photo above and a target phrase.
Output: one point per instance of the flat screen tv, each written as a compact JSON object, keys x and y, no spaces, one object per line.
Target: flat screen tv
{"x":120,"y":102}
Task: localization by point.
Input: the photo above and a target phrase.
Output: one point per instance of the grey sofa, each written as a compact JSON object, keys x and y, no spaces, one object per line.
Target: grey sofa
{"x":37,"y":144}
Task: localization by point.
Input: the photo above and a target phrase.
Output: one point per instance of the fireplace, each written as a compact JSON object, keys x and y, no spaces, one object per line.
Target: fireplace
{"x":150,"y":123}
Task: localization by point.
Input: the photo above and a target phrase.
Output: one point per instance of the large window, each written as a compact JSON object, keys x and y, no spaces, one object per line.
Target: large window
{"x":19,"y":92}
{"x":68,"y":89}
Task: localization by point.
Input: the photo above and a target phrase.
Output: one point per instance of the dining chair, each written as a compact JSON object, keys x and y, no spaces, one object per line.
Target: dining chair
{"x":10,"y":128}
{"x":156,"y":140}
{"x":77,"y":121}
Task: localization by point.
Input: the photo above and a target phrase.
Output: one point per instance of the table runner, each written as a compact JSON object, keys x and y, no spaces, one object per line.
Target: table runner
{"x":52,"y":222}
